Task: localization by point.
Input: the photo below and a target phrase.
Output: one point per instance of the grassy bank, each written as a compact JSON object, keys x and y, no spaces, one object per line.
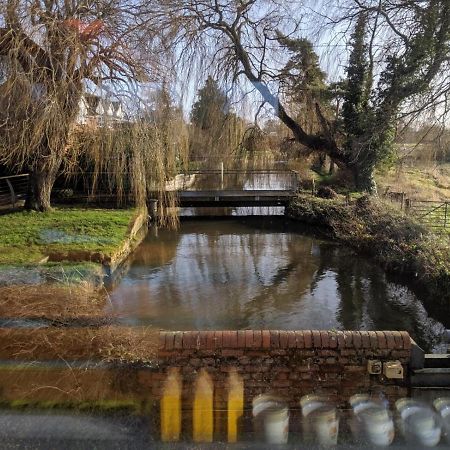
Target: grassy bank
{"x":418,"y":183}
{"x":64,"y":234}
{"x":379,"y":230}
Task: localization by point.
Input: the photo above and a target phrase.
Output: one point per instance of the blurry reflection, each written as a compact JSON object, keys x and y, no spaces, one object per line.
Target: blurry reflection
{"x":203,"y":413}
{"x":372,"y":420}
{"x":258,"y":274}
{"x":235,"y":404}
{"x":320,"y":420}
{"x":171,"y":406}
{"x":418,"y":422}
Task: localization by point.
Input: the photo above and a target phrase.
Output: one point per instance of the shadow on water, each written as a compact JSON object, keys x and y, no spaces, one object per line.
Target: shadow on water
{"x":259,"y":273}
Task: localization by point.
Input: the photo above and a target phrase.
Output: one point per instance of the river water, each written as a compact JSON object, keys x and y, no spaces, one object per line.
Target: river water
{"x":264,"y":273}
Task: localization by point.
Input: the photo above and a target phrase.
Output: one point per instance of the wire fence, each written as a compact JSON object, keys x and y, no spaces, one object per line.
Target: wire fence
{"x":13,"y":190}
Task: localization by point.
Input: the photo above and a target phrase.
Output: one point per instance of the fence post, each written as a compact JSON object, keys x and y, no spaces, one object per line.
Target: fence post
{"x":445,"y":214}
{"x":11,"y":190}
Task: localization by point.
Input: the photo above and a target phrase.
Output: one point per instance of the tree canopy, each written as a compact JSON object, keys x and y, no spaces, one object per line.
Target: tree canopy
{"x":399,"y":60}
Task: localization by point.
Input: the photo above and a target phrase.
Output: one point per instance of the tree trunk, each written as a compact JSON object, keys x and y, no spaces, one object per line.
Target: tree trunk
{"x":364,"y":178}
{"x":41,"y":185}
{"x":332,"y":168}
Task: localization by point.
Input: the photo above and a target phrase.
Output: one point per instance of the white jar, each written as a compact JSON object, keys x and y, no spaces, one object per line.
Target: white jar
{"x":276,"y":426}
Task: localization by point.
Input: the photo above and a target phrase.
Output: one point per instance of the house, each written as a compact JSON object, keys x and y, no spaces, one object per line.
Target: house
{"x":97,"y":111}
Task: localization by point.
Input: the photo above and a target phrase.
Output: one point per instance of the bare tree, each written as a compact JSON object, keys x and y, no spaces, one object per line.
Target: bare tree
{"x":399,"y":52}
{"x":49,"y":49}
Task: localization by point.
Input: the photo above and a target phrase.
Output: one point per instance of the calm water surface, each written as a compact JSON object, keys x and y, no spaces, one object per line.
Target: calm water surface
{"x":259,"y":273}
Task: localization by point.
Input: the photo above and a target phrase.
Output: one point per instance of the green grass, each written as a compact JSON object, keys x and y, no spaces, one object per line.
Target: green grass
{"x":28,"y":237}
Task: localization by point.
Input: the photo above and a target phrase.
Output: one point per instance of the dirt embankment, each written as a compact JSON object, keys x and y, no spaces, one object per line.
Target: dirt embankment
{"x":53,"y":301}
{"x":377,"y":229}
{"x":107,"y":344}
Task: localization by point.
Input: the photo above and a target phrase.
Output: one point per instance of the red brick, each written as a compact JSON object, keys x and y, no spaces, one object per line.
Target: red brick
{"x":406,"y":340}
{"x":281,"y":383}
{"x":316,"y":339}
{"x":365,"y":339}
{"x":266,"y":338}
{"x":232,"y":352}
{"x":382,"y":343}
{"x":274,"y":339}
{"x":162,"y":340}
{"x":203,"y":338}
{"x":300,"y":339}
{"x":307,"y":336}
{"x":348,"y":339}
{"x":210,"y":340}
{"x":186,"y":341}
{"x":283,"y":339}
{"x":178,"y":341}
{"x":340,"y":339}
{"x":373,"y":339}
{"x":170,"y":336}
{"x":218,"y":339}
{"x":357,"y":341}
{"x":292,"y":342}
{"x":324,"y":339}
{"x":248,"y":338}
{"x":241,"y":339}
{"x":332,"y":340}
{"x":257,"y":339}
{"x":398,"y":339}
{"x":234,"y":339}
{"x":194,"y":339}
{"x":390,"y":339}
{"x":226,"y":339}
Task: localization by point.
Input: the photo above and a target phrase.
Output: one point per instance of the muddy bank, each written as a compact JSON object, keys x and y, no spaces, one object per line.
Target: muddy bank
{"x":373,"y":228}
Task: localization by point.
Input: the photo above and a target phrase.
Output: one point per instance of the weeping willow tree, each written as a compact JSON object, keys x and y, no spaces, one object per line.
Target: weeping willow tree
{"x":132,"y":161}
{"x":49,"y":51}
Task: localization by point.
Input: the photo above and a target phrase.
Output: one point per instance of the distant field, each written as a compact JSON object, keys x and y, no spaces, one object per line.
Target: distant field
{"x":419,"y":183}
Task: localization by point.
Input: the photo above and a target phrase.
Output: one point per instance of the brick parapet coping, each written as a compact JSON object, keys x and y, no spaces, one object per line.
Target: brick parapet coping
{"x":170,"y":341}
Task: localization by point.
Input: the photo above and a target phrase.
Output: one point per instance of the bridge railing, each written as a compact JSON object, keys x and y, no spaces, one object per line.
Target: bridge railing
{"x":244,"y":180}
{"x":13,"y":189}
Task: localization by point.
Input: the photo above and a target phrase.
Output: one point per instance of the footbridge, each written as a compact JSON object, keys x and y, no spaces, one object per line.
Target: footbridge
{"x":217,"y":188}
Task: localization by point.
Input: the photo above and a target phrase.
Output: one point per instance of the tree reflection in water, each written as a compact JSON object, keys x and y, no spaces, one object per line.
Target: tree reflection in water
{"x":250,"y":274}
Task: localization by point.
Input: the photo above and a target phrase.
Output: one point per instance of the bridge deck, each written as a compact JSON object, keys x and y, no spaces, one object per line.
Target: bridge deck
{"x":234,"y":198}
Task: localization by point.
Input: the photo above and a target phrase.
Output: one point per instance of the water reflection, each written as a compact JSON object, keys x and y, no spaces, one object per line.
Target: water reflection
{"x":250,"y":274}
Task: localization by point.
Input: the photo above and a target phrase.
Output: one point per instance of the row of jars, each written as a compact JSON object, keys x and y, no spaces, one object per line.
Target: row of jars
{"x":370,"y":420}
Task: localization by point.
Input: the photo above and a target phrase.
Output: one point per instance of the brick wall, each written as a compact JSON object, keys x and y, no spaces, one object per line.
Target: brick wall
{"x":288,"y":363}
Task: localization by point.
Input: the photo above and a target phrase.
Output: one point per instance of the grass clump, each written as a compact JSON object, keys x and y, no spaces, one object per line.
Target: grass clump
{"x":393,"y":239}
{"x":62,"y":234}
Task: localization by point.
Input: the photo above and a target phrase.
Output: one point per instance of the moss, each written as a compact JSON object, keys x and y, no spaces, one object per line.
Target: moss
{"x":30,"y":237}
{"x":377,"y":229}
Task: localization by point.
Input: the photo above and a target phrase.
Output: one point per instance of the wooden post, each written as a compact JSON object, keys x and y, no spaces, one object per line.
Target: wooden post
{"x":445,"y":215}
{"x":221,"y":175}
{"x":313,"y":189}
{"x":153,"y":209}
{"x":11,"y":190}
{"x":407,"y":205}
